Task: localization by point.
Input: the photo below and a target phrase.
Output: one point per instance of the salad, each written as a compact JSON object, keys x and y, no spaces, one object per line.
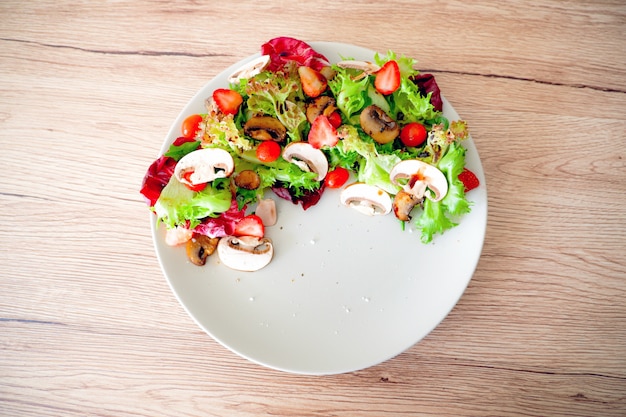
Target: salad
{"x":290,"y":125}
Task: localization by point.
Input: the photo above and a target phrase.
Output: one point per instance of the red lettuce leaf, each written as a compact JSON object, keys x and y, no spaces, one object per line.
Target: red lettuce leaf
{"x":426,"y":84}
{"x":307,"y":199}
{"x":156,"y":178}
{"x":224,"y":225}
{"x":284,"y":49}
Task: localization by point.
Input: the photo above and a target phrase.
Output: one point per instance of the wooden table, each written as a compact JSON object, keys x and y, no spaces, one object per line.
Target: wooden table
{"x":88,"y":325}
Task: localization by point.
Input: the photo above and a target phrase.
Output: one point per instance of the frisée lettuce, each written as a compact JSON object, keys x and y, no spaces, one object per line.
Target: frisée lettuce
{"x":391,"y":84}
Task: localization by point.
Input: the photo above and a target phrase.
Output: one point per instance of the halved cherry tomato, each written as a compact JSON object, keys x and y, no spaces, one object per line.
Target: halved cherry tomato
{"x":197,"y":187}
{"x":335,"y":119}
{"x":337,"y":177}
{"x":413,"y":134}
{"x":191,"y":125}
{"x":268,"y":151}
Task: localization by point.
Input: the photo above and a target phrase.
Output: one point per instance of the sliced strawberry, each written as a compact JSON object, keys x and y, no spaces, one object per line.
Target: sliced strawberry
{"x":251,"y":225}
{"x":469,"y":179}
{"x":227,"y":100}
{"x":388,"y":78}
{"x":313,"y":82}
{"x":322,"y":133}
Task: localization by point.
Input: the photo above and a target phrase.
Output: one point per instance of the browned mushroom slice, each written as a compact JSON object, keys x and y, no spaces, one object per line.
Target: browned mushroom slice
{"x":376,"y":123}
{"x":265,"y":128}
{"x":201,"y":247}
{"x":325,"y":105}
{"x":248,"y":179}
{"x":403,"y":204}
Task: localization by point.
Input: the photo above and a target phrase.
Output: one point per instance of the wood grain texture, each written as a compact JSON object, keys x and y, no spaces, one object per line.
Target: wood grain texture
{"x":88,"y":325}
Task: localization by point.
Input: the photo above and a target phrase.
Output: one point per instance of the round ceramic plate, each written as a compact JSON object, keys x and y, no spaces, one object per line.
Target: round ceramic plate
{"x":344,"y":291}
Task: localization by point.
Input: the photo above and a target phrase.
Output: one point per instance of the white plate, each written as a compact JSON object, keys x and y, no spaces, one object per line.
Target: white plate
{"x":344,"y":291}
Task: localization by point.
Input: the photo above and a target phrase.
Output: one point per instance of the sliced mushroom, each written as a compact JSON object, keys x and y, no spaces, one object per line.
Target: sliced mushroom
{"x":365,"y":66}
{"x":418,"y":180}
{"x":307,"y":157}
{"x":376,"y":123}
{"x":265,"y":128}
{"x":200,"y":247}
{"x":249,"y":70}
{"x":245,"y":253}
{"x":248,"y":179}
{"x":266,"y":210}
{"x":325,"y":105}
{"x":204,"y":165}
{"x":366,"y":199}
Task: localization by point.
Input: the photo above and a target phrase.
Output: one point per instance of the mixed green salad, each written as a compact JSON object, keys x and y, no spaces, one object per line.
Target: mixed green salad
{"x":291,"y":124}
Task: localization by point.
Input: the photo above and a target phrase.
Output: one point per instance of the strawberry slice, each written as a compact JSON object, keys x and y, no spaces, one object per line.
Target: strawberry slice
{"x":227,"y":100}
{"x":322,"y":133}
{"x":388,"y":78}
{"x":251,"y":225}
{"x":469,"y":179}
{"x":313,"y":82}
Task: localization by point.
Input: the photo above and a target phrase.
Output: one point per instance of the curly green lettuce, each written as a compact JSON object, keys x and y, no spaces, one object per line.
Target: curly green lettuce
{"x":179,"y":206}
{"x":278,"y":94}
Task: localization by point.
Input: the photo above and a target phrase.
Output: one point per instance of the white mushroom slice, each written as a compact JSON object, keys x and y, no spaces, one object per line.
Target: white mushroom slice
{"x":245,"y":253}
{"x":204,"y":165}
{"x":367,"y":199}
{"x":365,"y":66}
{"x":420,"y":176}
{"x":266,"y":210}
{"x":307,"y":157}
{"x":249,"y":70}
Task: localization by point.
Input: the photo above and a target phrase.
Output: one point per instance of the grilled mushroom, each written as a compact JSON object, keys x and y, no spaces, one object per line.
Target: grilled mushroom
{"x":248,"y":179}
{"x":376,"y":123}
{"x":322,"y":105}
{"x":265,"y":128}
{"x":200,"y":247}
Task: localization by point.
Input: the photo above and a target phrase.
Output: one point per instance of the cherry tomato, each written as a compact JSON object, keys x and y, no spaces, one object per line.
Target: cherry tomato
{"x":191,"y":125}
{"x":413,"y":134}
{"x":337,"y":177}
{"x":335,"y":119}
{"x":268,"y":151}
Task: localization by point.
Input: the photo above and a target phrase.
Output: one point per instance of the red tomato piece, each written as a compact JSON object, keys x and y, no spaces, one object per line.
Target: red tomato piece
{"x":268,"y":151}
{"x":196,"y":187}
{"x":191,"y":126}
{"x":335,"y":119}
{"x":388,"y":78}
{"x":337,"y":177}
{"x":413,"y":134}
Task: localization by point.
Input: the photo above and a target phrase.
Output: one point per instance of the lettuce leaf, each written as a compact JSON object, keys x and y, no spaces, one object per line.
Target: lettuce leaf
{"x":436,"y":216}
{"x":374,"y":167}
{"x":279,"y":94}
{"x":284,"y":50}
{"x":350,"y":94}
{"x":179,"y":206}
